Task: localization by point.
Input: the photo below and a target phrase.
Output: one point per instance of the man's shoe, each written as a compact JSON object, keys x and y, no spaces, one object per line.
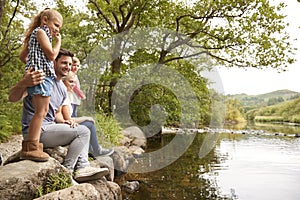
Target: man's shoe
{"x":90,"y":174}
{"x":106,"y":152}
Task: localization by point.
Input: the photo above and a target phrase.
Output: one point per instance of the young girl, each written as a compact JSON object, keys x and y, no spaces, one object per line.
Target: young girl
{"x":39,"y":54}
{"x":95,"y":149}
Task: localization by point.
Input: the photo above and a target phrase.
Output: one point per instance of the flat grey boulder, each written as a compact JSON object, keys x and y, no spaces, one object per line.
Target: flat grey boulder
{"x":84,"y":191}
{"x":21,"y":180}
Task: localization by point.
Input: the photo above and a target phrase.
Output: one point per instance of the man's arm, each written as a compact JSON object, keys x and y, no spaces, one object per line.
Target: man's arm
{"x":59,"y":117}
{"x":66,"y":113}
{"x":31,"y":78}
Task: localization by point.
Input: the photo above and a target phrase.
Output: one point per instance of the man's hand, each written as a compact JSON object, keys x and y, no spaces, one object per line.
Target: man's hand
{"x":30,"y":79}
{"x":33,"y":78}
{"x":71,"y":122}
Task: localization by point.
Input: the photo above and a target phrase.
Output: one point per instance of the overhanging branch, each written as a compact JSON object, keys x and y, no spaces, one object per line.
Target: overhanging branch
{"x":104,"y":16}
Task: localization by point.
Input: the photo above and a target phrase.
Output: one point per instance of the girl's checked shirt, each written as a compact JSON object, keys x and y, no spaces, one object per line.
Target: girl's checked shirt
{"x":36,"y":56}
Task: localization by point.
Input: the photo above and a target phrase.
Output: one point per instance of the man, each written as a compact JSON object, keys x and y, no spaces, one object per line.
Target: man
{"x":55,"y":130}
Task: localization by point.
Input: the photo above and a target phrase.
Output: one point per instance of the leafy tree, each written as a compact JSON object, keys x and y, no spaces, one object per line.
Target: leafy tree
{"x":248,"y":33}
{"x":11,"y":69}
{"x":232,"y":33}
{"x":234,"y":111}
{"x":275,"y":100}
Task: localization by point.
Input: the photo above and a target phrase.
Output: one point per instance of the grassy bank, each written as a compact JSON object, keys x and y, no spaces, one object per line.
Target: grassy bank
{"x":288,"y":111}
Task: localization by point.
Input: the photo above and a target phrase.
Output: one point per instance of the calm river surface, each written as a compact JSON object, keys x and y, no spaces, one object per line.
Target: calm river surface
{"x":245,"y":167}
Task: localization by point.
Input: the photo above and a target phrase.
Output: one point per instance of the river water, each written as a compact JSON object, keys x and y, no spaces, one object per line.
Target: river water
{"x":246,"y":167}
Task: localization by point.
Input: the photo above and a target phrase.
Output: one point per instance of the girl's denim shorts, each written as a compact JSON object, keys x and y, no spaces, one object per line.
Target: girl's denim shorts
{"x":43,"y":89}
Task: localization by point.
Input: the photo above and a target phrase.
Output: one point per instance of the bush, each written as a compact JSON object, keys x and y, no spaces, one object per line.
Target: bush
{"x":109,"y":128}
{"x":5,"y":128}
{"x":295,"y":119}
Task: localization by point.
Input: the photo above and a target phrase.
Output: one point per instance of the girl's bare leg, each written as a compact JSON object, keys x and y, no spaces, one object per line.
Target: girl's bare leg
{"x":32,"y":149}
{"x":41,"y":106}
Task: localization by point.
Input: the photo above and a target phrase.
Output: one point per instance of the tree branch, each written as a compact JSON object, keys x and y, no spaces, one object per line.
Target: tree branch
{"x":184,"y":57}
{"x":10,"y":21}
{"x":126,"y":19}
{"x":104,"y":16}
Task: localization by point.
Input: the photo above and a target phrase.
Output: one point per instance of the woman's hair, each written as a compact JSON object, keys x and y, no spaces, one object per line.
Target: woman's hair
{"x":75,"y":60}
{"x":37,"y":21}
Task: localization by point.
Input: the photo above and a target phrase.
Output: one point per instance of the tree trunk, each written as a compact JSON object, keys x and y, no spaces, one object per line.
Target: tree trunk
{"x":115,"y":68}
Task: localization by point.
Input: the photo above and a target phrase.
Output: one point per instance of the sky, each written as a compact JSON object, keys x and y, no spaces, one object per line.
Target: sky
{"x":254,"y":81}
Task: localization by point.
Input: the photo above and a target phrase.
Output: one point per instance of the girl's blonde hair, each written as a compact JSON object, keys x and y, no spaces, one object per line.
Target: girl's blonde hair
{"x":37,"y":21}
{"x":70,"y":75}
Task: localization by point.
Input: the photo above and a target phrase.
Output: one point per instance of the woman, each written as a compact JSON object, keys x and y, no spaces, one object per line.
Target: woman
{"x":94,"y":149}
{"x":76,"y":95}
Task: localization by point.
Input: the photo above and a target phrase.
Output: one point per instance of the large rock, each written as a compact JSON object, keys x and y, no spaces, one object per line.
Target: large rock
{"x":135,"y":137}
{"x":20,"y":180}
{"x":84,"y":191}
{"x":108,"y":190}
{"x":58,"y":153}
{"x":105,"y":161}
{"x":133,"y":132}
{"x":122,"y":158}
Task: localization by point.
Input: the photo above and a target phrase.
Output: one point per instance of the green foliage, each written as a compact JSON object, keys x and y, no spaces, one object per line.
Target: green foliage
{"x":212,"y":27}
{"x":251,"y":102}
{"x":150,"y":95}
{"x":5,"y":128}
{"x":77,"y":35}
{"x":268,"y":119}
{"x":254,"y":28}
{"x":109,"y":129}
{"x":295,"y":119}
{"x":287,"y":111}
{"x":217,"y":110}
{"x":234,"y":111}
{"x":276,"y":100}
{"x":54,"y":183}
{"x":11,"y":69}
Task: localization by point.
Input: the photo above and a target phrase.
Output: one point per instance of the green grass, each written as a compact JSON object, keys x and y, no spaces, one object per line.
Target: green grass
{"x":110,"y":129}
{"x":268,"y":119}
{"x":54,"y":183}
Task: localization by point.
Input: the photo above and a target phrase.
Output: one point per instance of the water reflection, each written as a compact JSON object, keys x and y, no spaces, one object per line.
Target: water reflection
{"x":239,"y":167}
{"x":268,"y":127}
{"x":260,"y":168}
{"x":181,"y":179}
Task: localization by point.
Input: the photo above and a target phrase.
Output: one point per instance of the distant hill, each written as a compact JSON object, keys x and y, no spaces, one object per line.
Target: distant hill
{"x":256,"y":101}
{"x":286,"y":94}
{"x":288,"y":111}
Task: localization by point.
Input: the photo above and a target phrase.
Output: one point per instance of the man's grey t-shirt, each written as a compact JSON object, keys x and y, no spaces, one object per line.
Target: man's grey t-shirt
{"x":58,"y":96}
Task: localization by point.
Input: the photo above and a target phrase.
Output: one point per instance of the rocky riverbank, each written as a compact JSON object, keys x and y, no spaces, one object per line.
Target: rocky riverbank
{"x":23,"y":179}
{"x":166,"y":130}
